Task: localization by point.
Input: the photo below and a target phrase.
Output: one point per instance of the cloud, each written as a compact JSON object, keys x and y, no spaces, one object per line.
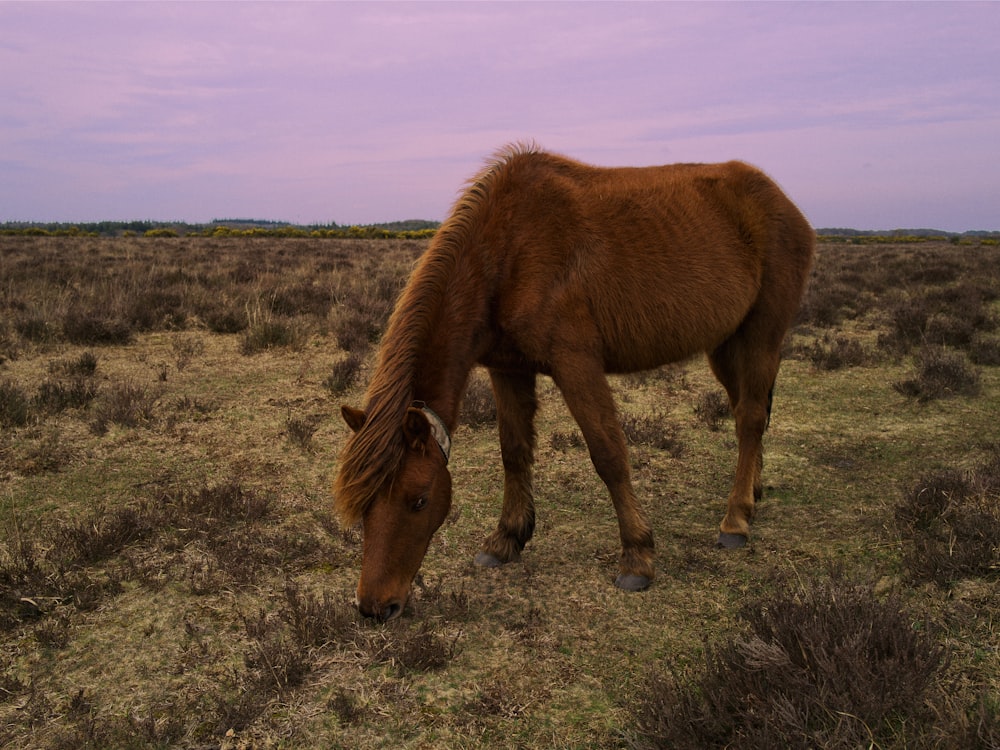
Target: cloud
{"x":372,"y":111}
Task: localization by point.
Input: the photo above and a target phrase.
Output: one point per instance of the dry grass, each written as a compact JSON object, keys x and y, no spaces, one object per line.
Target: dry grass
{"x":170,"y":575}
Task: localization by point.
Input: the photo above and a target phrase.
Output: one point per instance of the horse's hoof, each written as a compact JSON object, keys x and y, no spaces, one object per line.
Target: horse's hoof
{"x":486,"y":560}
{"x":731,"y":541}
{"x":632,"y":582}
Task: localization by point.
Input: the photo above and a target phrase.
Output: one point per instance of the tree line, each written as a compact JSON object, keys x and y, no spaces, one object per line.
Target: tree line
{"x":411,"y":229}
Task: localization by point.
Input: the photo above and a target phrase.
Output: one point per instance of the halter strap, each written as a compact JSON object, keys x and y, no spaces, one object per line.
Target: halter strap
{"x":438,"y":429}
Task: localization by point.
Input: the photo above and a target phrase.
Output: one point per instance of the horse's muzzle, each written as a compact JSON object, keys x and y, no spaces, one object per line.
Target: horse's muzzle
{"x":381,"y":611}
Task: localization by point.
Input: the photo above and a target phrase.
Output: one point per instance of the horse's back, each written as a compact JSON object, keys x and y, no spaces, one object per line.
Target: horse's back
{"x":644,"y":264}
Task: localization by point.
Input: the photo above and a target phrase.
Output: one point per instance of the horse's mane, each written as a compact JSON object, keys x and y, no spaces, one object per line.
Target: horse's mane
{"x":372,"y":455}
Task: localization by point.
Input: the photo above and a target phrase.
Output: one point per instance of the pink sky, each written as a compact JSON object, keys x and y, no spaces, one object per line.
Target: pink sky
{"x":873,"y":116}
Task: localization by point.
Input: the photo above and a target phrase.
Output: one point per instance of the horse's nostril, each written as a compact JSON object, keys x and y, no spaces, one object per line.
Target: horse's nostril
{"x":390,"y":610}
{"x":382,"y":612}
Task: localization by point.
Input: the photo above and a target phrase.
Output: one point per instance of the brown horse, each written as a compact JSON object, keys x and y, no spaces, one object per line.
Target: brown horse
{"x":550,"y":266}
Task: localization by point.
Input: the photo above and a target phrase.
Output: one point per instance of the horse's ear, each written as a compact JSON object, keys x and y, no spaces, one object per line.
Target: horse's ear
{"x":355,"y":418}
{"x":416,"y":429}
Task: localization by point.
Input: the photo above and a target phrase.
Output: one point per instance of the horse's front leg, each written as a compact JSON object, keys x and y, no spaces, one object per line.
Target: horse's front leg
{"x":588,"y":396}
{"x":516,"y":405}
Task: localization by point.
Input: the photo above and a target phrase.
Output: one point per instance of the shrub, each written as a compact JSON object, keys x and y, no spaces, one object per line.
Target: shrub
{"x":84,"y":327}
{"x":265,"y":330}
{"x":185,"y":350}
{"x":316,"y":621}
{"x":300,"y":431}
{"x":53,"y":633}
{"x":420,"y":651}
{"x":273,"y":665}
{"x":950,"y":524}
{"x":839,"y":352}
{"x":304,"y":298}
{"x":826,"y":305}
{"x":654,"y":430}
{"x":712,"y":408}
{"x":125,"y":403}
{"x":563,"y":441}
{"x":985,"y":350}
{"x":930,"y":498}
{"x":908,"y":320}
{"x":224,"y":320}
{"x":102,"y":535}
{"x":156,"y":308}
{"x":269,"y":333}
{"x":940,"y":373}
{"x":14,"y":405}
{"x":275,"y":661}
{"x":478,"y":406}
{"x":23,"y":577}
{"x":967,"y":302}
{"x":49,"y":453}
{"x":83,"y":366}
{"x":226,"y":502}
{"x":343,"y":374}
{"x":9,"y":344}
{"x":55,"y":396}
{"x":829,"y":666}
{"x":36,"y":328}
{"x":357,"y":331}
{"x":945,"y":329}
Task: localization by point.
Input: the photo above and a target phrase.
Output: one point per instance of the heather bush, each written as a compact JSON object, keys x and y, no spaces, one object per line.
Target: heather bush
{"x":54,"y":396}
{"x":940,"y":373}
{"x":478,"y":407}
{"x":48,"y":452}
{"x":837,"y":352}
{"x":984,"y":349}
{"x":14,"y":405}
{"x":301,"y":298}
{"x":123,"y":403}
{"x":907,"y":322}
{"x":36,"y":328}
{"x":300,"y":431}
{"x":827,"y":664}
{"x":654,"y":430}
{"x":84,"y":365}
{"x":712,"y":408}
{"x":356,"y":331}
{"x":950,"y":524}
{"x":343,"y":374}
{"x":267,"y":331}
{"x":563,"y":441}
{"x":826,"y":305}
{"x":87,"y":327}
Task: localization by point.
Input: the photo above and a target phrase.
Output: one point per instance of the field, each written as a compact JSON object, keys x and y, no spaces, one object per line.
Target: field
{"x":171,"y":574}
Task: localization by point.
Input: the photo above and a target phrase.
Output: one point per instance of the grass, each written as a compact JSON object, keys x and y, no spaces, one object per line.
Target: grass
{"x":170,"y":574}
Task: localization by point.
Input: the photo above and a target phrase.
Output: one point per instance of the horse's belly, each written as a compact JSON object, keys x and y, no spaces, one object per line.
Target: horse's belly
{"x":625,"y":351}
{"x":654,"y":332}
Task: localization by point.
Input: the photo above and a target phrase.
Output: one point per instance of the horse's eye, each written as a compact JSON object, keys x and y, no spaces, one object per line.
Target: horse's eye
{"x":420,"y":503}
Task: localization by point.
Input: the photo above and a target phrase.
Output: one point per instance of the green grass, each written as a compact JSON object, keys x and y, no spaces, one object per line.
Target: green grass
{"x":187,"y":623}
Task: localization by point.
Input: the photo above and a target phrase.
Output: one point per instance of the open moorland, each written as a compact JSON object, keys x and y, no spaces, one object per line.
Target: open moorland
{"x":171,"y":574}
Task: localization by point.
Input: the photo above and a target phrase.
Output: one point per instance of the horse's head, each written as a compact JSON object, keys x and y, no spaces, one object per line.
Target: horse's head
{"x":410,"y":506}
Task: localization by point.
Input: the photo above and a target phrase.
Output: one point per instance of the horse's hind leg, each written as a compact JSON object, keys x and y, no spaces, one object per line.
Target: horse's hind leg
{"x":588,"y":396}
{"x":516,"y":406}
{"x":748,"y":375}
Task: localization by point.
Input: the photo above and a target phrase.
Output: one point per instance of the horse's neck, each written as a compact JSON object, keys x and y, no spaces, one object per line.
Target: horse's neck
{"x":453,"y":341}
